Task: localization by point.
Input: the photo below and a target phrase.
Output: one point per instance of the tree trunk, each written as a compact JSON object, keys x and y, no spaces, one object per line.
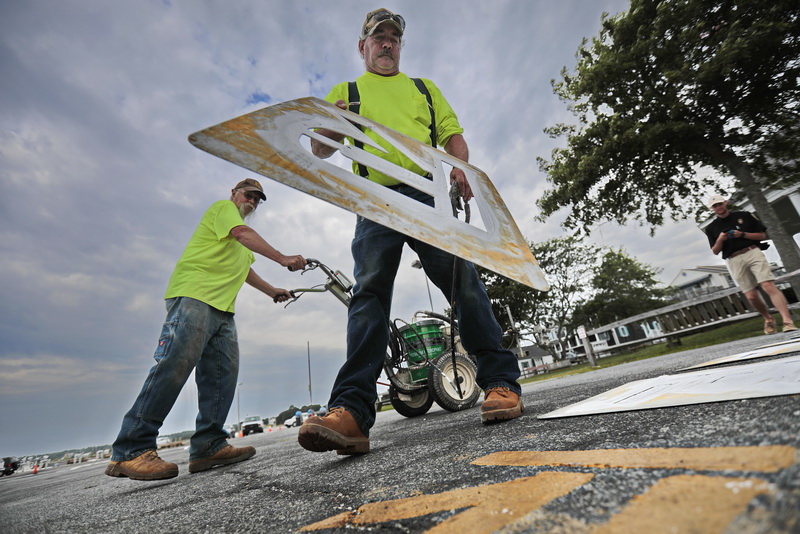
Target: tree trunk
{"x":784,"y":244}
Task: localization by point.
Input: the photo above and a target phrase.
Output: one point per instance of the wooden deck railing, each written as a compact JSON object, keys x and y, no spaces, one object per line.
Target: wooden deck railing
{"x":716,"y":308}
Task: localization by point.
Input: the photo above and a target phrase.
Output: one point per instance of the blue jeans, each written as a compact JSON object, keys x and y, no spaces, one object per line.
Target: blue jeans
{"x":376,"y":253}
{"x":195,"y":336}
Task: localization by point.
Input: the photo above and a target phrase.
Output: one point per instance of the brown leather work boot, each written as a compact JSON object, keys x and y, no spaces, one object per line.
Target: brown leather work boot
{"x":336,"y":431}
{"x":500,"y":404}
{"x":226,"y":455}
{"x":146,"y":466}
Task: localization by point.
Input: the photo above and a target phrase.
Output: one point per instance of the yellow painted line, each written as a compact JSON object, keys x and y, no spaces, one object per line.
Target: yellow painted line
{"x":488,"y":507}
{"x":686,"y":503}
{"x":767,"y":459}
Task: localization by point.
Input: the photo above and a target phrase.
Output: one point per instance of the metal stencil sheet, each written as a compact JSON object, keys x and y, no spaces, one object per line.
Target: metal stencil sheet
{"x":774,"y":349}
{"x":762,"y":379}
{"x":268,"y":142}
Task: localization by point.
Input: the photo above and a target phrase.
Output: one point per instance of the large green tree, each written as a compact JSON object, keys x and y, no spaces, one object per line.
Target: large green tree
{"x":589,"y":286}
{"x":622,"y":287}
{"x":671,"y":88}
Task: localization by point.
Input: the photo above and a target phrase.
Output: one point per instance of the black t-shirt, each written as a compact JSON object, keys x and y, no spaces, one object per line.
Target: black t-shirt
{"x":743,"y":221}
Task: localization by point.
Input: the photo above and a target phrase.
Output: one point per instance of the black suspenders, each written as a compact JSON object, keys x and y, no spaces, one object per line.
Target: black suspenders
{"x":424,"y":90}
{"x":354,"y":105}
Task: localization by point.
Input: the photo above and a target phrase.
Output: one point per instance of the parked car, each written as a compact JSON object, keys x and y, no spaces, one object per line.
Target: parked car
{"x":297,"y":419}
{"x":10,"y":464}
{"x":252,"y":425}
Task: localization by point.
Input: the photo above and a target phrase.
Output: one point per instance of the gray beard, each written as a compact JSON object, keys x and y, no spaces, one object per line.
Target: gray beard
{"x":242,"y":211}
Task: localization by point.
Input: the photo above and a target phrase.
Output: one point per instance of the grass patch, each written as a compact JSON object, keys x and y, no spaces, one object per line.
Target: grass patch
{"x":722,"y":334}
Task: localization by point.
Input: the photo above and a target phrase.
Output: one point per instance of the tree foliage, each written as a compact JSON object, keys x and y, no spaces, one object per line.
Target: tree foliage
{"x":622,"y":287}
{"x":569,"y":264}
{"x":589,"y":285}
{"x":522,"y":301}
{"x":671,"y":87}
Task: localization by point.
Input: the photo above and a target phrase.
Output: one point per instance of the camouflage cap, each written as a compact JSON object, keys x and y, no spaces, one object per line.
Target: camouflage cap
{"x":249,"y":184}
{"x":376,"y":17}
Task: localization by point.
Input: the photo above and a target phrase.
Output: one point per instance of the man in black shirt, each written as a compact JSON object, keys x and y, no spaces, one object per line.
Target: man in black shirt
{"x":738,"y":235}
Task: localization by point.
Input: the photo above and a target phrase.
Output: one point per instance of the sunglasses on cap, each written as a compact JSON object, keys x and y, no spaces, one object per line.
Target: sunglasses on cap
{"x":381,"y":15}
{"x":374,"y":18}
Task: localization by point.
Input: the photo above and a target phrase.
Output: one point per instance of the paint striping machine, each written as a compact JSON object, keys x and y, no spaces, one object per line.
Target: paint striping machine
{"x":425,"y":361}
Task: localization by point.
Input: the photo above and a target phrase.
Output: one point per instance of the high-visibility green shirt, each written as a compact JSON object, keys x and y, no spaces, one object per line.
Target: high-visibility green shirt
{"x":214,"y":264}
{"x":395,"y":101}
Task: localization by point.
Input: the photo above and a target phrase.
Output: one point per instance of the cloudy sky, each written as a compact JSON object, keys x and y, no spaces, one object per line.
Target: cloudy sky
{"x":100,"y":189}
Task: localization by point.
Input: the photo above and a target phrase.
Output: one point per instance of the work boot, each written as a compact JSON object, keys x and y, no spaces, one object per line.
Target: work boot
{"x":226,"y":455}
{"x":336,"y":431}
{"x":146,"y":466}
{"x":500,"y":404}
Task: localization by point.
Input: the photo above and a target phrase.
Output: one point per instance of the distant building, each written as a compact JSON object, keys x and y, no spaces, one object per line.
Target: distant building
{"x":704,"y":280}
{"x":533,"y":359}
{"x":701,"y":281}
{"x":640,"y":328}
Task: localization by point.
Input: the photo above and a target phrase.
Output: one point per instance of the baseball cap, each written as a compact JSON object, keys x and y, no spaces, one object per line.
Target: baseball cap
{"x":374,"y":19}
{"x":249,"y":184}
{"x":714,"y":199}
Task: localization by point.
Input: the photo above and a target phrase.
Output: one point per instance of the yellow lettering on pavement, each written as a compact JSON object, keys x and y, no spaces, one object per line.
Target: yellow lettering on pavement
{"x":685,"y":503}
{"x":489,"y":507}
{"x":674,"y":503}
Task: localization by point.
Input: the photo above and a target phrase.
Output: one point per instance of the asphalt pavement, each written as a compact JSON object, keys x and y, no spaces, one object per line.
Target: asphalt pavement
{"x":720,"y":467}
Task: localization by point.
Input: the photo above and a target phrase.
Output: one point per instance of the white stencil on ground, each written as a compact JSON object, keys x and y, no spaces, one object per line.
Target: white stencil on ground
{"x":763,"y":379}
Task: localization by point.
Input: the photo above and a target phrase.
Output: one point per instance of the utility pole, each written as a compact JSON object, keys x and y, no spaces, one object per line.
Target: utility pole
{"x":418,"y":265}
{"x":587,"y":346}
{"x":308,"y":345}
{"x":238,"y":408}
{"x":514,"y":330}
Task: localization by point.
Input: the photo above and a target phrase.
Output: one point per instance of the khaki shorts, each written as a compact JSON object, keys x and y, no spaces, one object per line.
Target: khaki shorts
{"x":750,"y":269}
